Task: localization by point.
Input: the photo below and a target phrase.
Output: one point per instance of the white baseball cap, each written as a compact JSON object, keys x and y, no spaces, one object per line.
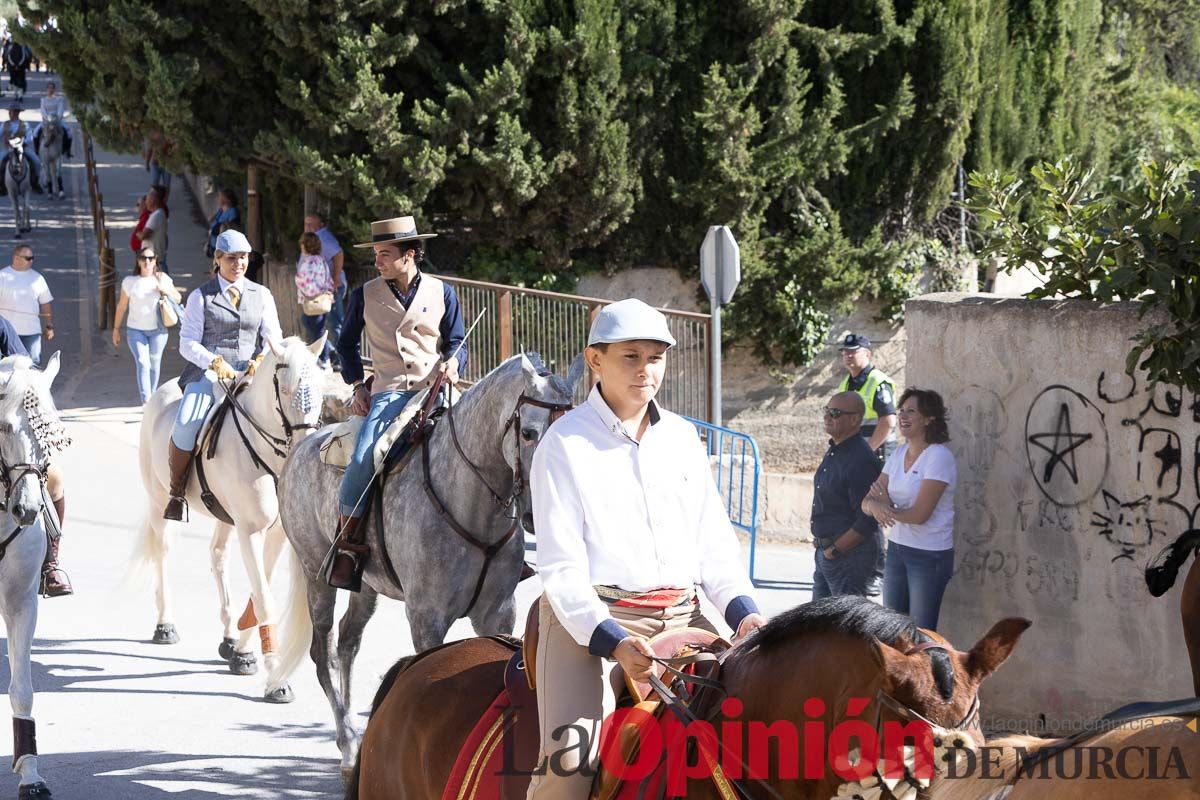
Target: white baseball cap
{"x":628,"y":320}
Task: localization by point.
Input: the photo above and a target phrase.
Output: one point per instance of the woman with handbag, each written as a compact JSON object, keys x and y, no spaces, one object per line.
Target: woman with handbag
{"x":314,"y":290}
{"x":153,"y":304}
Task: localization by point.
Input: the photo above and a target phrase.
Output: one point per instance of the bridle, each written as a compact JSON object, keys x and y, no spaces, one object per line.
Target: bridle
{"x":885,"y":700}
{"x":280,"y":446}
{"x":9,"y":482}
{"x":503,"y":503}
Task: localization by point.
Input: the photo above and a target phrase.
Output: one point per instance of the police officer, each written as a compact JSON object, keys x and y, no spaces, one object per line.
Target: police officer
{"x":878,"y":392}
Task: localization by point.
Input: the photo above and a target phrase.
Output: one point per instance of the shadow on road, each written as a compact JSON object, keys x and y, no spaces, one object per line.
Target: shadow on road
{"x":157,"y":776}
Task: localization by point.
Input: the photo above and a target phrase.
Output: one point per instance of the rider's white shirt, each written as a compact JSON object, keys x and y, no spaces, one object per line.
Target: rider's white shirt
{"x":21,"y":294}
{"x":191,"y":327}
{"x":53,"y":106}
{"x":610,"y":511}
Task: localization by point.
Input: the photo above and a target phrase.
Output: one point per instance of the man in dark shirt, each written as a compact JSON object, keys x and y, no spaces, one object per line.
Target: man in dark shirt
{"x":847,"y":540}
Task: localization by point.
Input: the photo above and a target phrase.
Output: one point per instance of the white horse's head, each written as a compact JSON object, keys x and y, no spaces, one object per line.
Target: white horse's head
{"x":297,"y":385}
{"x":30,"y":432}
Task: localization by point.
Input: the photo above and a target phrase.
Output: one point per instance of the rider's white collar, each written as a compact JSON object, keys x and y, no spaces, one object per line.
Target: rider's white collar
{"x":240,"y":285}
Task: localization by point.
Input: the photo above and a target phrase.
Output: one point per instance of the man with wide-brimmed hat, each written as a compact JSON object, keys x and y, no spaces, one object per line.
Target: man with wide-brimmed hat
{"x":414,"y":326}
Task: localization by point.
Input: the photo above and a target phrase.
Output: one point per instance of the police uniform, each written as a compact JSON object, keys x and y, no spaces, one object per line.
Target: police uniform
{"x":627,"y":530}
{"x":877,"y":390}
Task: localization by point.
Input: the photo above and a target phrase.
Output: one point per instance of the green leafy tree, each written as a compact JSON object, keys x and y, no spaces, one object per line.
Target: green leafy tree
{"x":1140,"y":245}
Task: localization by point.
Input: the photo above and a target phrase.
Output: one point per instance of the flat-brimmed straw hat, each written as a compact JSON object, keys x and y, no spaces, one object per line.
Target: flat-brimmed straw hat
{"x":397,"y":229}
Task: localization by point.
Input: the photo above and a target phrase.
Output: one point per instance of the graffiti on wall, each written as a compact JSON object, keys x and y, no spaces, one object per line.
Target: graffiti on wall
{"x":1132,"y":508}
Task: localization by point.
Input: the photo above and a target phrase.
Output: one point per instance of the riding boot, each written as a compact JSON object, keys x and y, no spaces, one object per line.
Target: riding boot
{"x":55,"y":582}
{"x":181,"y":466}
{"x":348,"y":556}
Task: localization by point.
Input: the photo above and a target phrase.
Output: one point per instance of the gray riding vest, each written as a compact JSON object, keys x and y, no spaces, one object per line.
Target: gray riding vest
{"x":230,"y":333}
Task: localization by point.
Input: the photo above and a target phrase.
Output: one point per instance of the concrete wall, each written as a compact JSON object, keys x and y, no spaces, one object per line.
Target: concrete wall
{"x":1071,"y":476}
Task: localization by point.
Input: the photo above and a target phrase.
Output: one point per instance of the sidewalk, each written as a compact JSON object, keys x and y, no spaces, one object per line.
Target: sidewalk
{"x":119,"y":718}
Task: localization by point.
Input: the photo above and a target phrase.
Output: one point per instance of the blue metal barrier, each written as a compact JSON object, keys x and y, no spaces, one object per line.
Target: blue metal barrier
{"x":737,"y":473}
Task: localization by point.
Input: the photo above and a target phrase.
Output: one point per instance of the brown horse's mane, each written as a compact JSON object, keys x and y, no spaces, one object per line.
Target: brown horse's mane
{"x":854,"y":616}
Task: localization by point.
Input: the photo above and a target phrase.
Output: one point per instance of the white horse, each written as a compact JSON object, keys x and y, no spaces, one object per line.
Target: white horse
{"x":51,"y":150}
{"x":281,"y":406}
{"x":18,"y":180}
{"x":28,"y":423}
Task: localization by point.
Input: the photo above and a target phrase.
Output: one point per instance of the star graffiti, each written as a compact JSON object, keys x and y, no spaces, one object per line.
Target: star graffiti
{"x":1063,"y":443}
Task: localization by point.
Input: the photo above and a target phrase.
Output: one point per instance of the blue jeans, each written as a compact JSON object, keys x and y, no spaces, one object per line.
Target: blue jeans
{"x":385,"y":407}
{"x":914,"y":581}
{"x":849,"y":573}
{"x":159,"y":176}
{"x":313,"y":326}
{"x":198,"y":397}
{"x":33,"y":343}
{"x":337,"y":314}
{"x":147,"y":348}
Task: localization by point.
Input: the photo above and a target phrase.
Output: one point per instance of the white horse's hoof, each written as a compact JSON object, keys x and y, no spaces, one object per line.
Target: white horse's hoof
{"x":243,"y":664}
{"x":165,"y":634}
{"x":33,"y":791}
{"x":227,"y":648}
{"x":282,"y":694}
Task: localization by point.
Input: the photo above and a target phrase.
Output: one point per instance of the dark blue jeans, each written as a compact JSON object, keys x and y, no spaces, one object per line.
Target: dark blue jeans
{"x":337,"y":314}
{"x":849,"y":573}
{"x":914,"y":581}
{"x":313,"y":326}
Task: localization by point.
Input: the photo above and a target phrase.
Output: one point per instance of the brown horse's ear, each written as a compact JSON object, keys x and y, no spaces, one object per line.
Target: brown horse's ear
{"x":994,"y":648}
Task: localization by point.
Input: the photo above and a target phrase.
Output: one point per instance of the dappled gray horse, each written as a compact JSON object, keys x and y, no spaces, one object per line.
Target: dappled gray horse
{"x":51,"y":150}
{"x":30,"y":431}
{"x":18,"y":182}
{"x":498,"y":422}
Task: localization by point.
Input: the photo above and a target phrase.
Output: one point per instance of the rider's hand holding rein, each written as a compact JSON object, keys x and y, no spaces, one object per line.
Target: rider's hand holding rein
{"x":222,"y":370}
{"x":634,"y":655}
{"x":450,"y":368}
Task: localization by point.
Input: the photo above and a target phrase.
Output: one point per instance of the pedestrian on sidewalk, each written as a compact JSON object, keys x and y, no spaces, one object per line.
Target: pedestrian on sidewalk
{"x":847,"y":539}
{"x":147,"y":335}
{"x":25,"y":301}
{"x":225,"y":217}
{"x":154,"y":233}
{"x":331,"y":251}
{"x":314,"y":291}
{"x":914,"y":496}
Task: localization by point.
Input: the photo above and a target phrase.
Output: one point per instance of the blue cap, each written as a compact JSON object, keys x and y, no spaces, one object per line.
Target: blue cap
{"x":854,"y":341}
{"x":629,"y":320}
{"x":233,"y":242}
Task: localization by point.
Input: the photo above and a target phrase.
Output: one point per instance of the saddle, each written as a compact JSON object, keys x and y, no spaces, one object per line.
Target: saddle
{"x":338,"y":448}
{"x":503,"y":748}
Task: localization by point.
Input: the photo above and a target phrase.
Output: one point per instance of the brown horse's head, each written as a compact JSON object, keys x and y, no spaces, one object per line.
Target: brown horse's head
{"x":864,"y":662}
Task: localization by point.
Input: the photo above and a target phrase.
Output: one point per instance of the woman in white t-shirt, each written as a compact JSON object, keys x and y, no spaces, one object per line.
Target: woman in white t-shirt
{"x":140,"y":293}
{"x":914,"y":497}
{"x":25,"y":301}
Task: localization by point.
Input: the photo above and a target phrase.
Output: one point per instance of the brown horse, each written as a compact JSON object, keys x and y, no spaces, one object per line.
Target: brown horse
{"x":1160,"y":576}
{"x":836,"y":650}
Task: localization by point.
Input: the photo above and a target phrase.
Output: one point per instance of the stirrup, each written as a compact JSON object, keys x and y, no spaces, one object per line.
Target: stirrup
{"x":352,"y":582}
{"x":44,"y":586}
{"x":185,"y":511}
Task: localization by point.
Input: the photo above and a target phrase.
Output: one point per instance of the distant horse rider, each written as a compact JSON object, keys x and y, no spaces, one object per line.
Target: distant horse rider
{"x":222,"y":324}
{"x":55,"y":582}
{"x":53,"y":106}
{"x":413,"y":324}
{"x":16,"y":60}
{"x":16,"y":128}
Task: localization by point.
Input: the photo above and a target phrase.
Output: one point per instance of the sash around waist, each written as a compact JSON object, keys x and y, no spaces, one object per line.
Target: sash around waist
{"x":655,"y":598}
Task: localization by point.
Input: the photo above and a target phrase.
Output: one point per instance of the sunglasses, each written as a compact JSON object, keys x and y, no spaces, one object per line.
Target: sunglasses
{"x":27,"y":258}
{"x":837,"y":413}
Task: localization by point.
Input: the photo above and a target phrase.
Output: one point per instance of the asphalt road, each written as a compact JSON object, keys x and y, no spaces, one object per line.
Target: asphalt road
{"x":120,"y":718}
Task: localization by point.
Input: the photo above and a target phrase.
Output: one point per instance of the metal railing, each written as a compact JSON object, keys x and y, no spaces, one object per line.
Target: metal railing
{"x":106,"y":295}
{"x":556,"y":326}
{"x":736,"y":467}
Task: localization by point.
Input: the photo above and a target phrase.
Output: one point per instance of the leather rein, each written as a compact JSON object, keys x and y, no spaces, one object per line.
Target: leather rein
{"x":278,"y":445}
{"x":503,"y":503}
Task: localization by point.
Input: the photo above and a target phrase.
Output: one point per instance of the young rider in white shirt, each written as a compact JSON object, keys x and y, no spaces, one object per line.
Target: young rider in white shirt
{"x":629,"y":522}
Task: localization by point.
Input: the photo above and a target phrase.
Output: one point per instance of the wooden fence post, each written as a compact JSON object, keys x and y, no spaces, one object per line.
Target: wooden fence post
{"x":504,"y":319}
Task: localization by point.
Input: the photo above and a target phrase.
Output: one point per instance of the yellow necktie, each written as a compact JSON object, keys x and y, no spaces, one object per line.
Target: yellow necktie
{"x":235,"y":296}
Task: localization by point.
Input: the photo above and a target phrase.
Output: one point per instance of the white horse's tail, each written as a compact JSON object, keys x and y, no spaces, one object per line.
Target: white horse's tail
{"x":146,"y":554}
{"x":295,"y":624}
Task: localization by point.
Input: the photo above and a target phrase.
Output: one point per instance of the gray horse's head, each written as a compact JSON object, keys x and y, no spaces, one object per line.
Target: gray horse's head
{"x":294,"y":369}
{"x":524,"y":423}
{"x":30,"y":432}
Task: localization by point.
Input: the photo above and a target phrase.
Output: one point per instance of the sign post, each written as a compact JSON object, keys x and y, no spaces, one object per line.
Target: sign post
{"x":720,"y":272}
